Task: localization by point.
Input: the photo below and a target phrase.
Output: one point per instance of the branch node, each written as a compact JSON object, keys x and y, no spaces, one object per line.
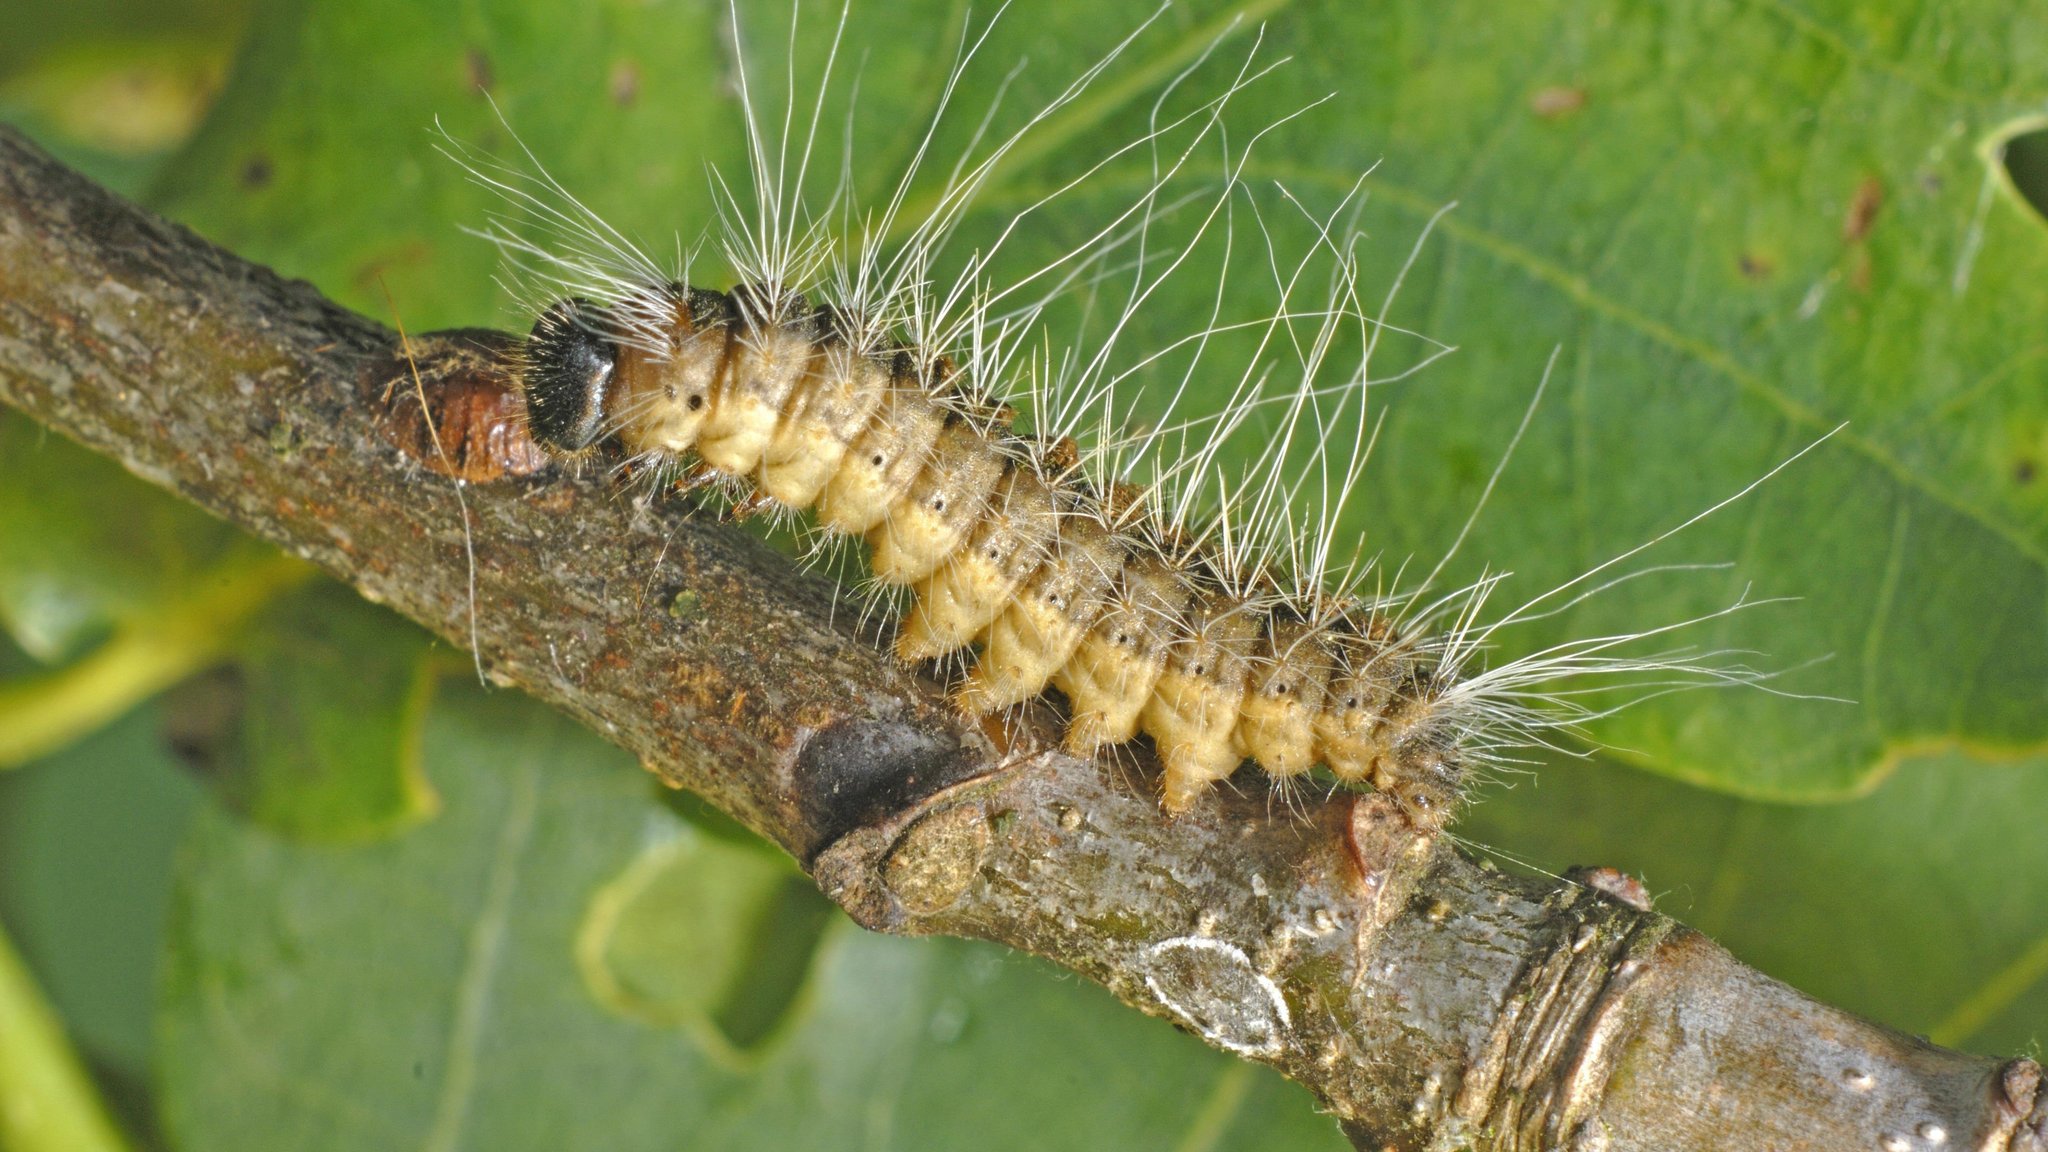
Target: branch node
{"x":1541,"y":1075}
{"x":938,"y":859}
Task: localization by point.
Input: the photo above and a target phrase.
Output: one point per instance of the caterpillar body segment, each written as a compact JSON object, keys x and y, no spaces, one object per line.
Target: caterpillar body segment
{"x":822,"y":420}
{"x":946,"y":502}
{"x":1038,"y":631}
{"x":1289,"y":678}
{"x":665,"y":392}
{"x":1198,"y":701}
{"x":1112,"y":674}
{"x":762,"y":364}
{"x":963,"y":597}
{"x":884,"y":460}
{"x":1003,"y":545}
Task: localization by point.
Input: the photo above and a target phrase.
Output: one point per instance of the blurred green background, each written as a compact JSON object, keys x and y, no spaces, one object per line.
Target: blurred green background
{"x":292,"y":880}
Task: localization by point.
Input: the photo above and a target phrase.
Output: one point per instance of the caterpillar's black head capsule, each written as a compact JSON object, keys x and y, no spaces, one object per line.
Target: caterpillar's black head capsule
{"x":570,"y":360}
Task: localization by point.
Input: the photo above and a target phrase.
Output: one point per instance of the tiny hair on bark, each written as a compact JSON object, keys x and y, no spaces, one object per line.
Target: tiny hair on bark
{"x":1427,"y":999}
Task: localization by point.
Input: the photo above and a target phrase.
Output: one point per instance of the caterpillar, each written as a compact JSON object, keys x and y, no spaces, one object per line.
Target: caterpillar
{"x":1003,"y":543}
{"x":1162,"y":594}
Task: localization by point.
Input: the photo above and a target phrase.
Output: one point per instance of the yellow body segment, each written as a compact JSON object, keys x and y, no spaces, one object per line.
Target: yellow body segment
{"x":825,"y":413}
{"x":959,"y":601}
{"x":883,"y":461}
{"x":930,"y":522}
{"x":762,"y":367}
{"x":1194,"y":709}
{"x":1350,"y":737}
{"x":1037,"y":633}
{"x":1283,"y":695}
{"x":1117,"y":665}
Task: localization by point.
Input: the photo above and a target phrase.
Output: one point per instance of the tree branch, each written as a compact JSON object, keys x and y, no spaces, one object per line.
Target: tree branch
{"x":1430,"y":1001}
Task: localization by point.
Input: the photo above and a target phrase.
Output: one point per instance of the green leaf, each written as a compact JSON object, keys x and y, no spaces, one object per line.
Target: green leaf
{"x":84,"y":545}
{"x":706,"y":934}
{"x":46,"y":1098}
{"x":336,"y":692}
{"x":435,"y":990}
{"x":86,"y":842}
{"x":112,"y":87}
{"x":335,"y":686}
{"x":125,"y":588}
{"x":1762,"y":222}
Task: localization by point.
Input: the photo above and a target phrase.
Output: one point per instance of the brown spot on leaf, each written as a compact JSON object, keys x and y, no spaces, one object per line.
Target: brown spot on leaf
{"x":1756,"y":265}
{"x":625,"y":83}
{"x":1557,"y":101}
{"x":2024,"y":471}
{"x":1863,"y":208}
{"x":256,"y":172}
{"x":477,"y":67}
{"x":1859,"y":271}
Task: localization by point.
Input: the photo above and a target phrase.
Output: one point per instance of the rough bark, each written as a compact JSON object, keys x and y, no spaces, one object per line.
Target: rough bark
{"x":1430,"y":1001}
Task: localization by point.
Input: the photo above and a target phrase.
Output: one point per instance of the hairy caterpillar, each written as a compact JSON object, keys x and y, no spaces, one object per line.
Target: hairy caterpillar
{"x":1164,"y":595}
